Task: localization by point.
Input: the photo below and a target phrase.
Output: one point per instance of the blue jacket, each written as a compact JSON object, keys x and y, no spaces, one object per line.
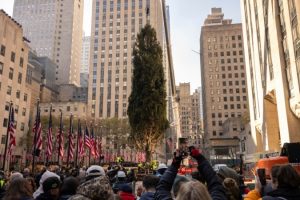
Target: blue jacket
{"x":147,"y":196}
{"x":215,"y":188}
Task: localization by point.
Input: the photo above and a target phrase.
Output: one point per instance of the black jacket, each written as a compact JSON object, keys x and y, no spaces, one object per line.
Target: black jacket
{"x":283,"y":194}
{"x":215,"y":188}
{"x":45,"y":196}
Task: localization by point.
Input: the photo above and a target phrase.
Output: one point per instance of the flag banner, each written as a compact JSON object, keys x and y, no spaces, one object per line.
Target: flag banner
{"x":87,"y":141}
{"x":93,"y":143}
{"x":60,"y":139}
{"x":37,"y":129}
{"x":49,"y":136}
{"x":80,"y":142}
{"x":11,"y":131}
{"x":71,"y":140}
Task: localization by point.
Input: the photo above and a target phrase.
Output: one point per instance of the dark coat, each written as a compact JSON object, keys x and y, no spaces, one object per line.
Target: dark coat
{"x":44,"y":196}
{"x":147,"y":196}
{"x":283,"y":194}
{"x":65,"y":197}
{"x":215,"y":188}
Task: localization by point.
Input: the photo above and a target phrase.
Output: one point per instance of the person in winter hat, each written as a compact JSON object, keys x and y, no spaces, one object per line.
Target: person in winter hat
{"x":51,"y":189}
{"x":162,"y":167}
{"x":68,"y":188}
{"x":47,"y":174}
{"x":97,"y":188}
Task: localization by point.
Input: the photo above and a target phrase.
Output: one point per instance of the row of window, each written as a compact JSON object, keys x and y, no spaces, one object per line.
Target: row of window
{"x":225,"y":38}
{"x":5,"y":124}
{"x":229,"y":91}
{"x":224,"y":46}
{"x":18,"y":93}
{"x":229,"y":98}
{"x":227,"y":107}
{"x":11,"y":73}
{"x":7,"y":105}
{"x":228,"y":83}
{"x":222,"y":53}
{"x":12,"y":56}
{"x":224,"y":76}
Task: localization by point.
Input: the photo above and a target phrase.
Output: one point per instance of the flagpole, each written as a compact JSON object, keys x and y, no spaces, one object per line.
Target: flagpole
{"x":35,"y":135}
{"x":77,"y":145}
{"x":59,"y":138}
{"x":47,"y":156}
{"x":7,"y":137}
{"x":70,"y":132}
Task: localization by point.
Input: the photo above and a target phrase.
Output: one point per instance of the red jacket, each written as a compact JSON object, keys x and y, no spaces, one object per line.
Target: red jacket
{"x":126,"y":196}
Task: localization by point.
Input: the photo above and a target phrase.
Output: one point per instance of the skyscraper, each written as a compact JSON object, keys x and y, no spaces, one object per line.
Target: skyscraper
{"x":223,"y":77}
{"x":272,"y":57}
{"x":85,"y":54}
{"x":115,"y":25}
{"x":55,"y":30}
{"x":189,"y":108}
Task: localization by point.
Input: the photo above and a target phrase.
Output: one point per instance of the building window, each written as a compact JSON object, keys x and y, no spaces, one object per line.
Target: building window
{"x":3,"y":139}
{"x":1,"y":68}
{"x":22,"y":128}
{"x":2,"y":52}
{"x":20,"y":78}
{"x":12,"y":56}
{"x":7,"y":105}
{"x":21,"y":62}
{"x":68,"y":108}
{"x":18,"y":94}
{"x":214,"y":133}
{"x":8,"y":90}
{"x":5,"y":122}
{"x":25,"y":97}
{"x":23,"y":111}
{"x":11,"y":73}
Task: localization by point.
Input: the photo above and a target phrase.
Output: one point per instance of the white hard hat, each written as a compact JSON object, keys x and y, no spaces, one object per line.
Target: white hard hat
{"x":121,"y":174}
{"x":162,"y":166}
{"x":95,"y":170}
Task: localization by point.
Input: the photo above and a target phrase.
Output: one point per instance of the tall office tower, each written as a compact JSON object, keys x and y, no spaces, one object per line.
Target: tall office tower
{"x":200,"y":102}
{"x":13,"y":67}
{"x":189,"y":109}
{"x":115,"y":24}
{"x":272,"y":57}
{"x":85,"y":54}
{"x":85,"y":61}
{"x":55,"y":30}
{"x":223,"y":78}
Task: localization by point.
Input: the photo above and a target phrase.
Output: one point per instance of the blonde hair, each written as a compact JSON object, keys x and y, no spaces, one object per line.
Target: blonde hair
{"x":193,"y":190}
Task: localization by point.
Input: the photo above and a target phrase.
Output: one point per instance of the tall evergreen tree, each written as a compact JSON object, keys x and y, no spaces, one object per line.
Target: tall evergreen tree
{"x":147,"y":102}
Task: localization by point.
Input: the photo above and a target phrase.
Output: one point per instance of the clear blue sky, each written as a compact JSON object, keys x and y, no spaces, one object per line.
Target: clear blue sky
{"x":187,"y":17}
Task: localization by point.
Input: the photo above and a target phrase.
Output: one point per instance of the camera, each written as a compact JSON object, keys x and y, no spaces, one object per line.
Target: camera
{"x":183,"y":147}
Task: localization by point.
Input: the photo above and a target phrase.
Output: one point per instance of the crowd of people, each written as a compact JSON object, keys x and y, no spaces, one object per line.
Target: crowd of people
{"x":114,"y":183}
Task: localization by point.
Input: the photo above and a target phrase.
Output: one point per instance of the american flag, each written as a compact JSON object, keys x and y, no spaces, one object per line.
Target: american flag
{"x":11,"y":130}
{"x":60,"y":138}
{"x":37,"y":129}
{"x":49,"y":136}
{"x":80,"y":142}
{"x":96,"y":148}
{"x":87,"y":140}
{"x":71,"y":139}
{"x":93,"y":143}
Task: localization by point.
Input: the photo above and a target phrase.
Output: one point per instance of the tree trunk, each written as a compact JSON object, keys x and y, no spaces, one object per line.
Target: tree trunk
{"x":148,"y":152}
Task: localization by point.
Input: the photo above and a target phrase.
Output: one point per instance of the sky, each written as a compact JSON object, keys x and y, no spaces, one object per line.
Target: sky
{"x":187,"y":17}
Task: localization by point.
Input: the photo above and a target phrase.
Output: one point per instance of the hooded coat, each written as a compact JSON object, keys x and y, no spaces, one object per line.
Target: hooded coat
{"x":45,"y":176}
